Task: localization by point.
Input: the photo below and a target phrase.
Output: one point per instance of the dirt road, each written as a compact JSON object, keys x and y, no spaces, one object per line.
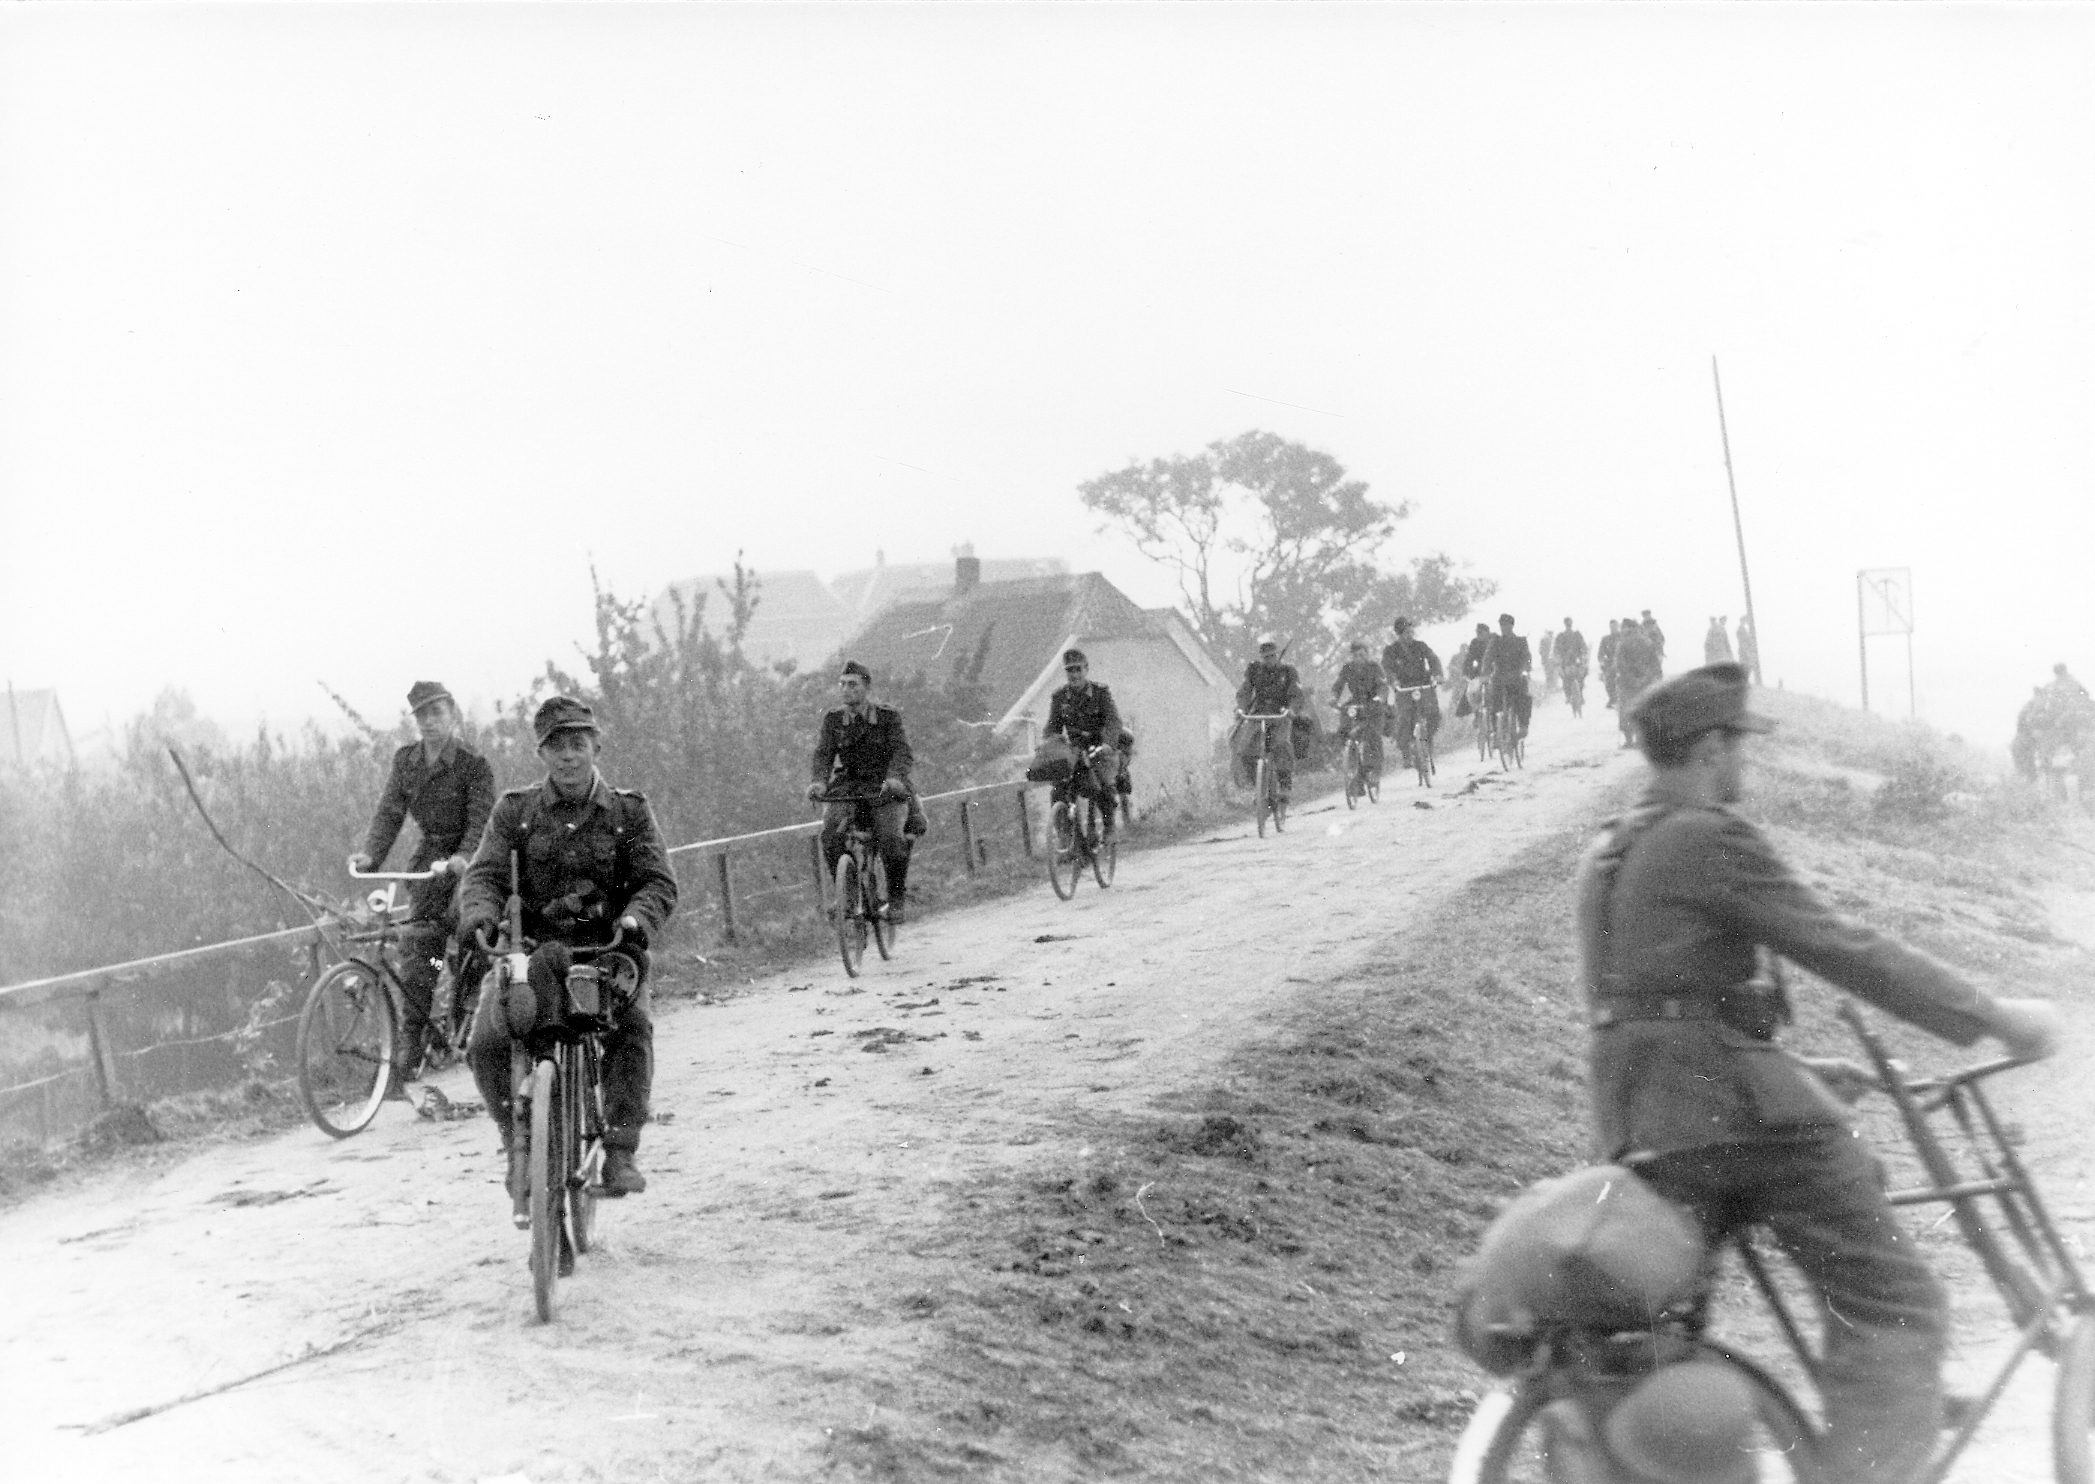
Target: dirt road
{"x":758,"y":1296}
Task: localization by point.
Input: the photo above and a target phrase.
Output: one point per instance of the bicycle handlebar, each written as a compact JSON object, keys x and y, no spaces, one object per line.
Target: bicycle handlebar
{"x":1264,"y":716}
{"x":618,"y":936}
{"x":854,"y":795}
{"x":429,"y":875}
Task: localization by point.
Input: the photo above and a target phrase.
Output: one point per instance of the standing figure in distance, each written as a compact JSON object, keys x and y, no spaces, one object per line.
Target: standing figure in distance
{"x":1604,"y":656}
{"x":1678,"y":902}
{"x":1637,"y":669}
{"x":448,"y":789}
{"x":1716,"y":644}
{"x":590,"y":862}
{"x":1749,"y":649}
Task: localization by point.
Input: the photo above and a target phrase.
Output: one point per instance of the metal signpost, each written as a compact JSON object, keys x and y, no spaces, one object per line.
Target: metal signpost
{"x":1884,"y":605}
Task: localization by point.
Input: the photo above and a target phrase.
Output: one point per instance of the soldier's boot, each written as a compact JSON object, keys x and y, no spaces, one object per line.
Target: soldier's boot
{"x":622,"y":1174}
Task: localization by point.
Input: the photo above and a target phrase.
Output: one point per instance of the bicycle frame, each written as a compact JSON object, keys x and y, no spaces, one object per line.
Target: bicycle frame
{"x":2042,"y":1307}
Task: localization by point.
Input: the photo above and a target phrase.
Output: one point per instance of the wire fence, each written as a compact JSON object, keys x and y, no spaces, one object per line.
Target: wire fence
{"x":220,"y":1015}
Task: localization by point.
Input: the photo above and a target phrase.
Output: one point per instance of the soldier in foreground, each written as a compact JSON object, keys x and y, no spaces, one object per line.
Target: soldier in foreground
{"x":590,"y":862}
{"x":1677,"y":901}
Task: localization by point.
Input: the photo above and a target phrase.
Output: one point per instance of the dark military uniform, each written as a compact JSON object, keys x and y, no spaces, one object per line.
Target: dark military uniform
{"x":1604,"y":656}
{"x":1638,"y":667}
{"x":864,"y":751}
{"x":448,"y":800}
{"x":1087,"y":716}
{"x":583,"y":864}
{"x":1676,"y":901}
{"x":1360,"y":683}
{"x":1269,"y":687}
{"x":1410,"y":664}
{"x":1506,"y":665}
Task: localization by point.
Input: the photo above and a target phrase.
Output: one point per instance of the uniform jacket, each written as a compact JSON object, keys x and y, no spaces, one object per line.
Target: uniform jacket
{"x":1571,"y":649}
{"x":1363,"y":678}
{"x":1087,"y":718}
{"x":583,"y":864}
{"x":449,"y":801}
{"x":1474,"y":656}
{"x":1268,"y":688}
{"x":853,"y":749}
{"x":1508,"y":656}
{"x":1410,"y":662}
{"x":1673,"y":902}
{"x":1638,"y":662}
{"x":1604,"y":652}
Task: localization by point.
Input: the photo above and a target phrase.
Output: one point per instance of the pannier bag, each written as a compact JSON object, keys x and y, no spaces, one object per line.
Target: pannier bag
{"x":1595,"y":1249}
{"x":1305,"y":736}
{"x":1054,"y":760}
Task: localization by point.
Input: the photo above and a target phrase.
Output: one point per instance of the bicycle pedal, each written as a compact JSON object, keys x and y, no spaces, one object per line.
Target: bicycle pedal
{"x":521,"y":1220}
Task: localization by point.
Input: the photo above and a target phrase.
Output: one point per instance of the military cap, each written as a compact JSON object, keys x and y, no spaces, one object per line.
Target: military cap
{"x":1074,"y":657}
{"x":563,"y":714}
{"x":1701,"y":700}
{"x":1401,"y":624}
{"x":1268,"y":641}
{"x":422,"y":692}
{"x":1505,"y":618}
{"x":1359,"y":644}
{"x":853,"y":667}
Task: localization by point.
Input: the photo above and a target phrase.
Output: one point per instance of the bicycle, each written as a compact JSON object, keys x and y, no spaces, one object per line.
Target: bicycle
{"x":1360,"y":783}
{"x":1078,"y":834}
{"x":1477,"y":692}
{"x":859,"y":904}
{"x":1409,"y":736}
{"x":1510,"y":1435}
{"x":1506,"y":740}
{"x":351,"y":1029}
{"x":1266,"y":797}
{"x":557,"y":1098}
{"x":1575,"y":692}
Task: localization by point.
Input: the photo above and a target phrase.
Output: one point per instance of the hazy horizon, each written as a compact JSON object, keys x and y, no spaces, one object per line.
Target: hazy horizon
{"x":342,"y":341}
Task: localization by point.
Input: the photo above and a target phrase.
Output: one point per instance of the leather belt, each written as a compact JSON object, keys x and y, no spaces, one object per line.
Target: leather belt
{"x":1615,"y":1009}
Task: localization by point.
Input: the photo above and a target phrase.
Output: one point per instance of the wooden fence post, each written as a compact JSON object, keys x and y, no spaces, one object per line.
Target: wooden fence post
{"x":967,"y":833}
{"x":727,"y":897}
{"x":1025,"y":823}
{"x":98,"y":1048}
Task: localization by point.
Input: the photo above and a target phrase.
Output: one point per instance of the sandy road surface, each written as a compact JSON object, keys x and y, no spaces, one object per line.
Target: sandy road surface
{"x":757,"y":1296}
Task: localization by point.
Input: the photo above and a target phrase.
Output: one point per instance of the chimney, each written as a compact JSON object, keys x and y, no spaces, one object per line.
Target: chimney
{"x":967,"y":570}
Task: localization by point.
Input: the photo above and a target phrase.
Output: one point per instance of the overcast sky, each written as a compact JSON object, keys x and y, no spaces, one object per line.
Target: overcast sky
{"x":338,"y":342}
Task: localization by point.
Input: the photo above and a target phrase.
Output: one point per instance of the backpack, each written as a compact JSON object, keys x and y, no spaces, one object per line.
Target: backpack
{"x":1596,"y":1249}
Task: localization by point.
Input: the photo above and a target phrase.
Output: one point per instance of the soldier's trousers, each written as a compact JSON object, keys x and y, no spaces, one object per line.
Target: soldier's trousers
{"x":888,"y":821}
{"x":629,"y":1047}
{"x":421,"y":954}
{"x":1823,"y":1198}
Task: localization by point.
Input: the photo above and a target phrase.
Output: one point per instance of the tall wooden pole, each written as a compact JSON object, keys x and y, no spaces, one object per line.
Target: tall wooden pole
{"x":1862,"y":637}
{"x":1738,"y":527}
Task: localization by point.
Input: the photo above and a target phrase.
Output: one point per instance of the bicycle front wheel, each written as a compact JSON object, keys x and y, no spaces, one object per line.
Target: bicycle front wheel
{"x":2073,"y":1408}
{"x":1064,"y":864}
{"x":1516,"y":1437}
{"x":584,"y":1128}
{"x":851,"y":915}
{"x":1105,"y":849}
{"x":876,"y":907}
{"x":548,"y":1186}
{"x":346,"y":1035}
{"x":1356,"y":776}
{"x":1262,"y":800}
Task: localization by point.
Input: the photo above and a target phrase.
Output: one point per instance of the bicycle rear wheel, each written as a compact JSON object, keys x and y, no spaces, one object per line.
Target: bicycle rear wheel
{"x":548,"y":1186}
{"x":1064,"y":864}
{"x":1483,"y":724}
{"x":851,"y":918}
{"x":1514,"y":1437}
{"x":876,"y":907}
{"x":346,"y":1035}
{"x":1105,"y":849}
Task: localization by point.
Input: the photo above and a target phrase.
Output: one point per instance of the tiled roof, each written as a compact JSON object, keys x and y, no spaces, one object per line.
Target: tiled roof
{"x":865,"y":592}
{"x":1015,"y":627}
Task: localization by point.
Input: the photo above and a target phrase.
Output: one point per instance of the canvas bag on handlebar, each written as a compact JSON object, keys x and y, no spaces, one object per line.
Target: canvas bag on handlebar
{"x":1054,"y":760}
{"x":1596,"y":1249}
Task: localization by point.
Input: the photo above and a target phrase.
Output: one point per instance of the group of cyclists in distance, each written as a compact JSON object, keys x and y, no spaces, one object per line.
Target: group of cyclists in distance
{"x":588,"y":867}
